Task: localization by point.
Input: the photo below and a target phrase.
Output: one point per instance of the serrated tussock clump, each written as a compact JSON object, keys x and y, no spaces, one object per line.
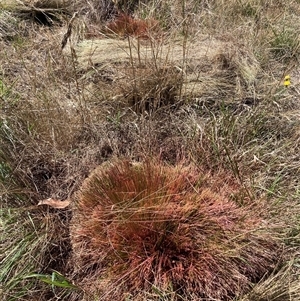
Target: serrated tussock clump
{"x":124,"y":25}
{"x":139,"y":225}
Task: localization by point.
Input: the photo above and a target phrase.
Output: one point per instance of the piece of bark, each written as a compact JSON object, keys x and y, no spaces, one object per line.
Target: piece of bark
{"x":58,"y":204}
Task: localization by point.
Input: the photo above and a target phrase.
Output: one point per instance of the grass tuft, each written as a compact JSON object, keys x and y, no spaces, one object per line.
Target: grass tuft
{"x":124,"y":25}
{"x":139,"y":225}
{"x":150,"y":89}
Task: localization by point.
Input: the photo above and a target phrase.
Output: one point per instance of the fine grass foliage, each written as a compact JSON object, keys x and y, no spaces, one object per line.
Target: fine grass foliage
{"x":285,"y":44}
{"x":20,"y":253}
{"x":168,"y":227}
{"x":278,"y":286}
{"x":28,"y":246}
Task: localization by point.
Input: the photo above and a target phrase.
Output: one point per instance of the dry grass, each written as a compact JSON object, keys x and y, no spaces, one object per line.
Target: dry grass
{"x":209,"y":92}
{"x":281,"y":285}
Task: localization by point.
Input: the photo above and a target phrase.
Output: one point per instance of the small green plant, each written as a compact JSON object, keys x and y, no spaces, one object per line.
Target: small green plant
{"x":4,"y":172}
{"x":116,"y":119}
{"x":56,"y":279}
{"x":249,"y":9}
{"x":285,"y":44}
{"x":7,"y":96}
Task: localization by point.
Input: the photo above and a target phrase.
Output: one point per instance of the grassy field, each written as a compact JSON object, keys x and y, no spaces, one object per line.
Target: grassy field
{"x":173,"y":130}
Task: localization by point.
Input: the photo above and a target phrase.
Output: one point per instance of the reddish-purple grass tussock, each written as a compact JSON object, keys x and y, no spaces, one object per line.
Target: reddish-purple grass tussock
{"x":136,"y":226}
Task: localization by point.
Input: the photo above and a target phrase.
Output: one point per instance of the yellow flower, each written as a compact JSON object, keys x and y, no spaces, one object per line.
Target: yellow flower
{"x":287,"y":81}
